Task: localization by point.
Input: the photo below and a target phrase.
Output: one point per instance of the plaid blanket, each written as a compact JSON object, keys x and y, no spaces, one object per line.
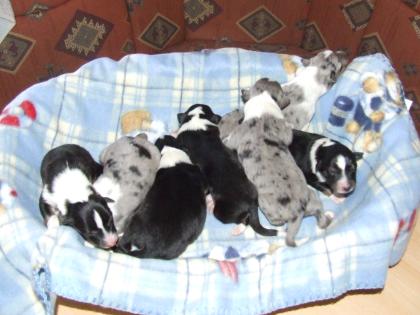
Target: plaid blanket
{"x":219,"y":273}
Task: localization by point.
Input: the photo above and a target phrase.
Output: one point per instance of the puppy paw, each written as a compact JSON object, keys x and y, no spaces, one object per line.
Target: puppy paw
{"x":209,"y":203}
{"x":53,"y":222}
{"x":238,"y":229}
{"x":325,"y":219}
{"x":336,"y":199}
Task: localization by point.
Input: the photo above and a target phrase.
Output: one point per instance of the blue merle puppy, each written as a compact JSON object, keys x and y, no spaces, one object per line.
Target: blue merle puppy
{"x":130,"y":165}
{"x":261,"y":142}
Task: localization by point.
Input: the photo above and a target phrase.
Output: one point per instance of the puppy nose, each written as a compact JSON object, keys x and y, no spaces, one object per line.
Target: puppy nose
{"x":110,"y":240}
{"x":346,"y":188}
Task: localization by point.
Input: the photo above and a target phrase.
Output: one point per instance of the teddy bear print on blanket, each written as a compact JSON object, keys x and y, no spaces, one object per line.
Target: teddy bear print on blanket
{"x":261,"y":142}
{"x":130,"y":165}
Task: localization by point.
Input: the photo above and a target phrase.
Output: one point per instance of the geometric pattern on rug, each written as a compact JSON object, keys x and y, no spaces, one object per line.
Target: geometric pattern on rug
{"x":84,"y":36}
{"x":260,"y":24}
{"x":37,"y":10}
{"x":357,"y":13}
{"x":13,"y":51}
{"x":159,"y":32}
{"x":312,"y":38}
{"x":415,"y":22}
{"x":372,"y":44}
{"x":199,"y":12}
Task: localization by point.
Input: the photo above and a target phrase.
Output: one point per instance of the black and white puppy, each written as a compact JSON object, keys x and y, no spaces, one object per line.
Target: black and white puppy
{"x":67,"y":174}
{"x":173,"y":213}
{"x":328,"y":165}
{"x":235,"y":197}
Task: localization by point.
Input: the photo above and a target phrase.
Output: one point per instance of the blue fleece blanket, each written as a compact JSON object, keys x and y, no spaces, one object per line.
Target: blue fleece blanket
{"x":219,"y":273}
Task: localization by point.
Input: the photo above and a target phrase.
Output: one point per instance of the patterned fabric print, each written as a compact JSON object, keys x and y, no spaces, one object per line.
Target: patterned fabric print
{"x":129,"y":47}
{"x":261,"y":24}
{"x":415,"y":4}
{"x":199,"y":12}
{"x":415,"y":21}
{"x":358,"y":13}
{"x":131,"y":4}
{"x":372,"y":44}
{"x":312,"y":38}
{"x":37,"y":10}
{"x":51,"y":72}
{"x":159,"y":32}
{"x":84,"y":35}
{"x":13,"y":51}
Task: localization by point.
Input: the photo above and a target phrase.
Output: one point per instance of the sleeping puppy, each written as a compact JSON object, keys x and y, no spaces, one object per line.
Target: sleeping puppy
{"x":67,"y":174}
{"x":130,"y":165}
{"x":235,"y":197}
{"x":328,"y":165}
{"x":261,"y":142}
{"x":311,"y":82}
{"x":173,"y":212}
{"x":234,"y":118}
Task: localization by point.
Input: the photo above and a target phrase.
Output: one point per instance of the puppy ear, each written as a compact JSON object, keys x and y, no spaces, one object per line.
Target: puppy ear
{"x":358,"y":155}
{"x":159,"y":143}
{"x":142,"y":135}
{"x":215,"y":119}
{"x":181,"y":117}
{"x":283,"y":101}
{"x":245,"y":95}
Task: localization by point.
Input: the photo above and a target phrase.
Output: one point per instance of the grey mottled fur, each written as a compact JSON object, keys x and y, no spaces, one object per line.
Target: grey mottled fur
{"x":234,"y":118}
{"x":132,"y":163}
{"x":313,"y":80}
{"x":283,"y":195}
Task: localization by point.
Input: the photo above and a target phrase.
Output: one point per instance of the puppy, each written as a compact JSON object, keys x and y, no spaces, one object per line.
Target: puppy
{"x":235,"y":197}
{"x":67,"y":174}
{"x":234,"y":118}
{"x":130,"y":165}
{"x":328,"y":165}
{"x":173,"y":212}
{"x":261,"y":142}
{"x":311,"y":81}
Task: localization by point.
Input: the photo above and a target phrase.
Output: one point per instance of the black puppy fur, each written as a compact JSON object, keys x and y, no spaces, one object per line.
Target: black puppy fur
{"x":80,"y":214}
{"x":173,"y":214}
{"x":235,"y":197}
{"x":324,"y":162}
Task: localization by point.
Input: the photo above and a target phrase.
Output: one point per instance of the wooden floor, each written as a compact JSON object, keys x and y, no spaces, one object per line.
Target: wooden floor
{"x":401,"y":295}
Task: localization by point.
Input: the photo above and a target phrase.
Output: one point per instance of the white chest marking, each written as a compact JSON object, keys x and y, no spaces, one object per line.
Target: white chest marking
{"x":70,"y":185}
{"x":260,"y":105}
{"x":173,"y":156}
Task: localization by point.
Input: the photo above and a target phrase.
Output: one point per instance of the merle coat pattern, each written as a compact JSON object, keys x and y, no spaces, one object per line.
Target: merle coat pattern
{"x":262,"y":147}
{"x":312,"y":80}
{"x":130,"y":165}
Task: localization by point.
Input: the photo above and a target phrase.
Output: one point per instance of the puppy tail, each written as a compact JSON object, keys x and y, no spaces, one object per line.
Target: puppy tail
{"x":254,"y":222}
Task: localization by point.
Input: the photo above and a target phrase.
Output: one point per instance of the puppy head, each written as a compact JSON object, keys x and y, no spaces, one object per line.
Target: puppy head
{"x":337,"y":167}
{"x":272,"y":87}
{"x":93,"y":220}
{"x":200,"y":111}
{"x":329,"y":65}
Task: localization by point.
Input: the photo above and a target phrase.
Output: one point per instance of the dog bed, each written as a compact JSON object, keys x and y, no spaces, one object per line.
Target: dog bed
{"x":219,"y":273}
